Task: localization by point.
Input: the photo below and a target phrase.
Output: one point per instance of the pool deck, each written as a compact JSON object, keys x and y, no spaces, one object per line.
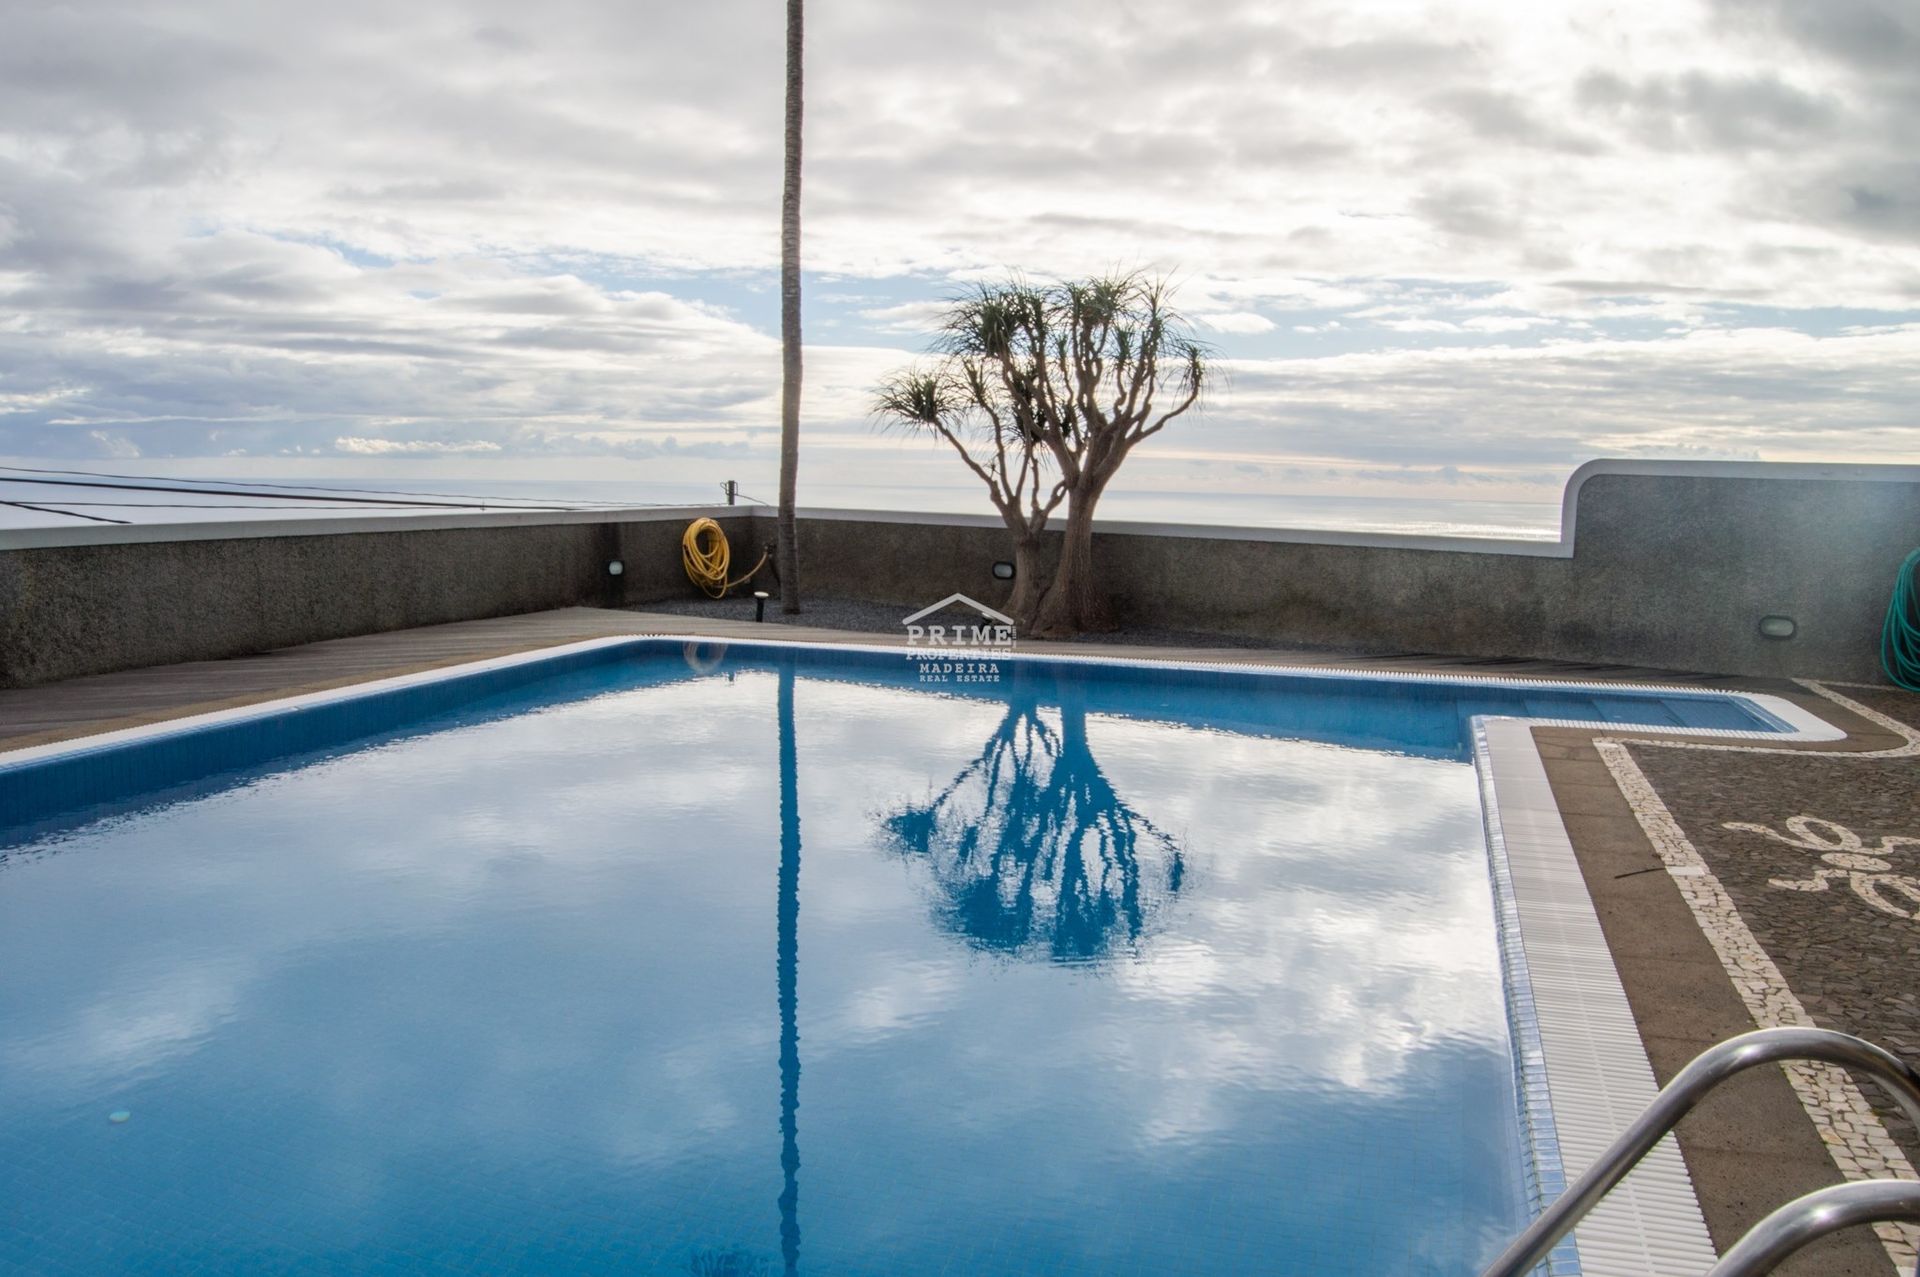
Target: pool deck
{"x":130,"y":698}
{"x":1704,"y":951}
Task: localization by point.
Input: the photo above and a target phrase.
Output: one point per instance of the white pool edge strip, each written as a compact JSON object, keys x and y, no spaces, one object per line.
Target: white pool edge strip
{"x":1805,"y":726}
{"x":1544,"y":1170}
{"x":1591,"y":1061}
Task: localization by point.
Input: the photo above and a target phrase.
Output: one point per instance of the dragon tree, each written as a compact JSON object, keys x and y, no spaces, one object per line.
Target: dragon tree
{"x":1044,"y":391}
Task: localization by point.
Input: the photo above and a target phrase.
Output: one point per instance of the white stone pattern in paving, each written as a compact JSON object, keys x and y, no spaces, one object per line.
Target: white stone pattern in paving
{"x":1845,"y":858}
{"x":1853,"y":1134}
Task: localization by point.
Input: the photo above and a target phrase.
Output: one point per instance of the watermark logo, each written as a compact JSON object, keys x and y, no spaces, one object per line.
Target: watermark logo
{"x":950,"y":649}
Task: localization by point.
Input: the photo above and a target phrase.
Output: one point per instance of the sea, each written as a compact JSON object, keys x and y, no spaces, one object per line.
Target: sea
{"x":79,"y":498}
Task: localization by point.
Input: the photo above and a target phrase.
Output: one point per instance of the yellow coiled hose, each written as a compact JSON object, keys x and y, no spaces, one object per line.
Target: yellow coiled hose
{"x":707,"y":557}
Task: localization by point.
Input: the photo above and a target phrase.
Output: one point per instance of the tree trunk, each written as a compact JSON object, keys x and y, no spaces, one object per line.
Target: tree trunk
{"x":1073,"y":604}
{"x":788,"y":551}
{"x":1029,"y":583}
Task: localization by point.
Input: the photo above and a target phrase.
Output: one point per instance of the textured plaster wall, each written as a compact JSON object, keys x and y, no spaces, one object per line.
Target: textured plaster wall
{"x":85,"y":609}
{"x":1668,"y":570}
{"x":1682,"y":568}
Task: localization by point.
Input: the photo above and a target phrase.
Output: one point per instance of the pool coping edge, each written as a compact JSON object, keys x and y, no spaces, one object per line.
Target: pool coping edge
{"x":1581,"y":1070}
{"x":1800,"y":724}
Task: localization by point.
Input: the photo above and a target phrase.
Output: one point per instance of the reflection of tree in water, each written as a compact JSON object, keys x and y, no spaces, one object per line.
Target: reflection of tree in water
{"x":1033,"y":848}
{"x":737,"y":1261}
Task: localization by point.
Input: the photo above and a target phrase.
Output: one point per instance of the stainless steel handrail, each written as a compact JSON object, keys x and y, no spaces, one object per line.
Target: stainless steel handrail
{"x":1710,"y":1068}
{"x":1807,"y":1219}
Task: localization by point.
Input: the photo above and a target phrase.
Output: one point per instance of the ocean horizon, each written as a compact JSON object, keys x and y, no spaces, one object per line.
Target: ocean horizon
{"x":210,"y":500}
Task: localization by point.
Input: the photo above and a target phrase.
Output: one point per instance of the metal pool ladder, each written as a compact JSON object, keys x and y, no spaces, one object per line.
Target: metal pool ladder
{"x":1785,"y":1230}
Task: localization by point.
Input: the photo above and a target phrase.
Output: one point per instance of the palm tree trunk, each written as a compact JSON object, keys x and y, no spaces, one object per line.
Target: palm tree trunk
{"x":787,"y":561}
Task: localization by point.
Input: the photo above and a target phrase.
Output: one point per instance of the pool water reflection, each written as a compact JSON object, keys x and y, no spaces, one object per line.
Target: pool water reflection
{"x":772,"y":963}
{"x":1032,"y":848}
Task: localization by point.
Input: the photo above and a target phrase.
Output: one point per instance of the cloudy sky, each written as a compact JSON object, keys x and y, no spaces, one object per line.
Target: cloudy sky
{"x":1449,"y":248}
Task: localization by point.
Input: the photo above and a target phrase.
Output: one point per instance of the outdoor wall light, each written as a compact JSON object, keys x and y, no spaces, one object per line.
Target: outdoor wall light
{"x":1777,"y":627}
{"x":1003,"y":571}
{"x":615,"y":567}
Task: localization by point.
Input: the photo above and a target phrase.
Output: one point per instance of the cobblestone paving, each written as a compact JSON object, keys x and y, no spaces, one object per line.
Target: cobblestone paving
{"x":1820,"y":854}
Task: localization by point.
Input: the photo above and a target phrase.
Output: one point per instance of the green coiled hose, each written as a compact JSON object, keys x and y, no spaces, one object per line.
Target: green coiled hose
{"x":1900,"y":637}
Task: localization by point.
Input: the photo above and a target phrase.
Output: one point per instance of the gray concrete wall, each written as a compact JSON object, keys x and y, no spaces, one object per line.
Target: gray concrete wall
{"x":1667,"y":565}
{"x":67,"y":610}
{"x":1660,"y":564}
{"x":1683,"y":566}
{"x":1669,"y":573}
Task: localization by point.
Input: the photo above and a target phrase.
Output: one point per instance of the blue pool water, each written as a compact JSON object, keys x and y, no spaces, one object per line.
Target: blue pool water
{"x":744,"y":961}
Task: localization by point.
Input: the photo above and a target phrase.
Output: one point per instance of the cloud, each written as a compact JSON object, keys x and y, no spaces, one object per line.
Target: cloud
{"x":918,"y":317}
{"x":1420,"y":325}
{"x":1696,"y":110}
{"x":1234,"y":321}
{"x":1736,"y":393}
{"x":1505,"y":323}
{"x":1869,"y":35}
{"x":556,"y":238}
{"x":1503,"y":117}
{"x":1469,"y":211}
{"x":411,"y":447}
{"x":1873,"y":201}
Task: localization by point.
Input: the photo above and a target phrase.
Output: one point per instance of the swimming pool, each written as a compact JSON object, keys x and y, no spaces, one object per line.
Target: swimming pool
{"x":660,"y":958}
